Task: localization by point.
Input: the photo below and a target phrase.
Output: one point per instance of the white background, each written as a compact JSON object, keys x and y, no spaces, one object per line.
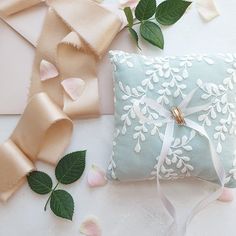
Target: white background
{"x":129,"y":209}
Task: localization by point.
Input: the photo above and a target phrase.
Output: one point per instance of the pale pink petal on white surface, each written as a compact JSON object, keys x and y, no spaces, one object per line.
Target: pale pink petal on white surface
{"x":74,"y":87}
{"x":227,"y":195}
{"x":91,"y":227}
{"x":207,"y":9}
{"x":47,"y":70}
{"x":96,"y":177}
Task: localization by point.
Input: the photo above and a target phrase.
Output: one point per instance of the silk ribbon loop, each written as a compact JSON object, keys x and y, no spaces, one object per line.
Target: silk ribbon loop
{"x":167,"y":140}
{"x":42,"y":133}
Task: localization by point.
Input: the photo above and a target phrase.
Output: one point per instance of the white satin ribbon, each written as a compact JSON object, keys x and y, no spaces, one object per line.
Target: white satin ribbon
{"x":167,"y":140}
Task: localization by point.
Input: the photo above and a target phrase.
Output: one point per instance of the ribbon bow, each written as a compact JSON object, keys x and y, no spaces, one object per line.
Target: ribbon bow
{"x":73,"y":41}
{"x":180,"y":115}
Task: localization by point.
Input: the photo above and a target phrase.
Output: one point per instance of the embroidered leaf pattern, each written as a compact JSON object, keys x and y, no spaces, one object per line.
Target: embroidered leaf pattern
{"x":177,"y":157}
{"x":219,"y":95}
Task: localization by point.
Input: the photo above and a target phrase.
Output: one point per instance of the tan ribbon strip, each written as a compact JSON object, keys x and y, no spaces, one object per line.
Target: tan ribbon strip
{"x":75,"y":35}
{"x":93,"y":28}
{"x":42,"y":133}
{"x":9,"y":7}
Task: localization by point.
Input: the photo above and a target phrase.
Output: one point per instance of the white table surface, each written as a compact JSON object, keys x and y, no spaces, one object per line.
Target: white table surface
{"x":130,"y":209}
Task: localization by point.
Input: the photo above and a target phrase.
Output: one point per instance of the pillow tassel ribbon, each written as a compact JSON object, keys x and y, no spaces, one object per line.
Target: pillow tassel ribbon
{"x":73,"y":41}
{"x":167,"y":140}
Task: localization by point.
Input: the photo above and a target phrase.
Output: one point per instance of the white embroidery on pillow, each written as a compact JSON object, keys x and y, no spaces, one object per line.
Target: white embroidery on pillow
{"x":177,"y":158}
{"x":112,"y":164}
{"x":178,"y":164}
{"x":122,"y":58}
{"x":232,"y":172}
{"x":221,"y":97}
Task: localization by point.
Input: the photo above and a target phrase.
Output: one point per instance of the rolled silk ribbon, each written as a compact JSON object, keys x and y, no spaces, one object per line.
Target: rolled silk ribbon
{"x":76,"y":34}
{"x":42,"y":133}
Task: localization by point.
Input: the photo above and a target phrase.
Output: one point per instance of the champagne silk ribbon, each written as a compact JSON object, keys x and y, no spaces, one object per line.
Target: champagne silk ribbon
{"x":75,"y":35}
{"x":181,"y":228}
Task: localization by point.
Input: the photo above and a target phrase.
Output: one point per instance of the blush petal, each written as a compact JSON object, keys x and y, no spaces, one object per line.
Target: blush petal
{"x":91,"y":227}
{"x":227,"y":195}
{"x":96,"y":177}
{"x":47,"y":70}
{"x":74,"y":87}
{"x":207,"y":9}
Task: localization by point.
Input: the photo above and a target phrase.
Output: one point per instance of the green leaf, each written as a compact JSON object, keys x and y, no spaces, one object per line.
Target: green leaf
{"x":145,"y":9}
{"x":71,"y":167}
{"x":152,"y":33}
{"x":134,"y":36}
{"x":40,"y":182}
{"x":170,"y":11}
{"x":129,"y":16}
{"x":62,"y":204}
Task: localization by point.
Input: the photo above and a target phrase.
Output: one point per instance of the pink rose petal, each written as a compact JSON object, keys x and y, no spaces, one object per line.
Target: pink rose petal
{"x":227,"y":195}
{"x":96,"y":177}
{"x":47,"y":70}
{"x":207,"y":9}
{"x":74,"y":87}
{"x":91,"y":227}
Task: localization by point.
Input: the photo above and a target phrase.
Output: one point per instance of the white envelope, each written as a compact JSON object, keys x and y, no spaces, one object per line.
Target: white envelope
{"x":19,"y":34}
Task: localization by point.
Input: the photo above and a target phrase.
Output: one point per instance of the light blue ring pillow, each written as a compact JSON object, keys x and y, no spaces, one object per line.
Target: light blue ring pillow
{"x":208,"y":82}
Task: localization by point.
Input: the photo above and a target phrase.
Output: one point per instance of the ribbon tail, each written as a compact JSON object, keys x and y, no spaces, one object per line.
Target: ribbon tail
{"x":187,"y":99}
{"x":218,"y":168}
{"x":164,"y":152}
{"x":157,"y":107}
{"x":192,"y":110}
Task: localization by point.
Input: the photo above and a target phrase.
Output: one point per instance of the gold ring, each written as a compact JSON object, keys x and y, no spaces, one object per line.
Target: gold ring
{"x":178,"y":115}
